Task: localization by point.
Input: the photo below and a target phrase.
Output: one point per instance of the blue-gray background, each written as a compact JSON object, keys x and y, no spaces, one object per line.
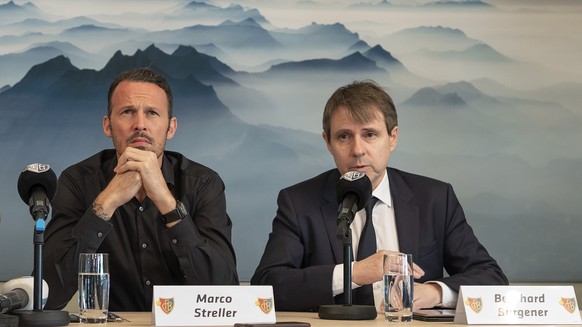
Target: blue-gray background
{"x":488,"y":95}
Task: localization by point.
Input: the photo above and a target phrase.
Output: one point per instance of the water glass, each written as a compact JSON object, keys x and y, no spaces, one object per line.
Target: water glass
{"x":398,"y":287}
{"x":93,"y":287}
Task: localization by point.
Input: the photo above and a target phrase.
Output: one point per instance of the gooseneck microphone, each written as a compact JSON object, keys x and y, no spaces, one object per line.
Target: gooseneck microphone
{"x":353,"y":191}
{"x":36,"y":186}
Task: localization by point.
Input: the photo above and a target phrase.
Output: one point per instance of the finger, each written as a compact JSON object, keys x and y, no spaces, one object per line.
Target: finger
{"x":417,"y":271}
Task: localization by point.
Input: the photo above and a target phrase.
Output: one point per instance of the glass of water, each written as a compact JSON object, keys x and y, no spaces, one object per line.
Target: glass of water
{"x":93,"y":287}
{"x":398,"y":287}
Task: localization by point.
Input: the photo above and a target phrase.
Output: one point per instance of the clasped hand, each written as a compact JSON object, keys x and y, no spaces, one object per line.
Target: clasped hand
{"x":137,"y":174}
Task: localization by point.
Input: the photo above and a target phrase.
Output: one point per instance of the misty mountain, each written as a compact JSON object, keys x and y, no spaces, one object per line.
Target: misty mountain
{"x":452,"y":95}
{"x":14,"y":65}
{"x":566,"y":93}
{"x":433,"y":38}
{"x":247,"y":22}
{"x":333,"y":37}
{"x":183,"y":62}
{"x":458,"y":5}
{"x":469,"y":93}
{"x":360,"y":46}
{"x":384,"y":59}
{"x":51,"y":27}
{"x":11,"y":12}
{"x":355,"y":62}
{"x":87,"y":36}
{"x":397,"y":70}
{"x":210,"y":14}
{"x":382,"y":4}
{"x":479,"y":52}
{"x":241,"y":36}
{"x":430,"y":97}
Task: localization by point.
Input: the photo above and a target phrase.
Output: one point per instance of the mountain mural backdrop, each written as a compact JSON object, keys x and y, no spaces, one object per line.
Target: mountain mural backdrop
{"x":488,"y":95}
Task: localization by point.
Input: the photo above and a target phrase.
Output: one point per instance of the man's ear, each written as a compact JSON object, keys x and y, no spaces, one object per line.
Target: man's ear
{"x":172,"y":128}
{"x":106,"y":126}
{"x":393,"y":138}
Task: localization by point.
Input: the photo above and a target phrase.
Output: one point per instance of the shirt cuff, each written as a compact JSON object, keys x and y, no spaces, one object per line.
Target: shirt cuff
{"x":337,"y":283}
{"x":449,"y":298}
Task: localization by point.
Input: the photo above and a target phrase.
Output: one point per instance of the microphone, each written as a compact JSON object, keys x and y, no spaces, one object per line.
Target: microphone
{"x":353,"y":191}
{"x":17,"y":294}
{"x":37,"y":185}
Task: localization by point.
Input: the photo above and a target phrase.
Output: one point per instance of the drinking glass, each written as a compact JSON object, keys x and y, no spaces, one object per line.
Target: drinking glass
{"x":398,"y":287}
{"x":93,"y":287}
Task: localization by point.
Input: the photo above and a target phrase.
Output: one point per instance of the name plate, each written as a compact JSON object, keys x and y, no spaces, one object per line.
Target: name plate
{"x":518,"y":305}
{"x":212,"y":305}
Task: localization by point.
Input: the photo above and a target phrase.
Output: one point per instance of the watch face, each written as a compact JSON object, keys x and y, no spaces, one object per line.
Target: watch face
{"x":181,"y":210}
{"x":177,"y":214}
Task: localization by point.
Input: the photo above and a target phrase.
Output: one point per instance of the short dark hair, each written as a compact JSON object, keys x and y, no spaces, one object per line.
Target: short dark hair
{"x":146,"y":75}
{"x":358,"y":98}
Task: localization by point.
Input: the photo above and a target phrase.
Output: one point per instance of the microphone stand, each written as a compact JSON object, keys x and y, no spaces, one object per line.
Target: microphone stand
{"x":347,"y":311}
{"x":37,"y":317}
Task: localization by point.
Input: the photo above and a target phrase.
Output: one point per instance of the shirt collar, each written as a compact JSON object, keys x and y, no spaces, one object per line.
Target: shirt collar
{"x":382,"y":192}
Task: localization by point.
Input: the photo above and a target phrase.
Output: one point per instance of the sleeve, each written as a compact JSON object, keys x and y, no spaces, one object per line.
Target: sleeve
{"x":298,"y":284}
{"x":465,"y":259}
{"x":449,"y":299}
{"x":202,"y":241}
{"x":73,"y":229}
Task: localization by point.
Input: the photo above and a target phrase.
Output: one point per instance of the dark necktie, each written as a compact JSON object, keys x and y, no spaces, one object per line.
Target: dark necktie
{"x":367,"y":245}
{"x":363,"y":295}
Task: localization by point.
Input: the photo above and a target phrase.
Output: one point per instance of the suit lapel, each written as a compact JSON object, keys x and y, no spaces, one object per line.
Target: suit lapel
{"x":329,"y":212}
{"x":407,"y":213}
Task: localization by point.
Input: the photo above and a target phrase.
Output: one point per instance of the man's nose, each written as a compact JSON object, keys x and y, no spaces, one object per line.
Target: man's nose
{"x":139,"y":123}
{"x":358,"y":148}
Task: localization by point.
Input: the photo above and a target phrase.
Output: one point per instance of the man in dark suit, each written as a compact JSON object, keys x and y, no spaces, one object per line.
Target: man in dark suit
{"x":413,"y":214}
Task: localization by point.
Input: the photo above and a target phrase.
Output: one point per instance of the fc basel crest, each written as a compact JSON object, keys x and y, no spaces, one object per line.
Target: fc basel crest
{"x":266,"y":305}
{"x":475,"y":304}
{"x":167,"y":305}
{"x":568,"y":304}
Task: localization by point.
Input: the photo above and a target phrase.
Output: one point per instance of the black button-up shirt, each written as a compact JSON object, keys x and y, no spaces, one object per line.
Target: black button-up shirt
{"x":143,"y":252}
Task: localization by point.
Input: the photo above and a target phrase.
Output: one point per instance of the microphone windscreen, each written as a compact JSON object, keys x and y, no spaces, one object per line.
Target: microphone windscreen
{"x":354,"y":182}
{"x":26,"y":284}
{"x":37,"y":175}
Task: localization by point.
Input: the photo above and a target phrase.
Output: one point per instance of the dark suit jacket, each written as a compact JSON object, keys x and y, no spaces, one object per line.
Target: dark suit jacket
{"x":303,"y":249}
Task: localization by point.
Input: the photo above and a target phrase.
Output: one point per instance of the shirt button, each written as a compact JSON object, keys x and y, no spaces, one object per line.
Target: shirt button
{"x":99,"y":234}
{"x":174,"y":241}
{"x":144,"y":246}
{"x":148,"y":282}
{"x":140,"y":208}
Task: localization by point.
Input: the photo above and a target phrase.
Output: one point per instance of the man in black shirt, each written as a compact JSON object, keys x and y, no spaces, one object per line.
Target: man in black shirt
{"x":161,"y":217}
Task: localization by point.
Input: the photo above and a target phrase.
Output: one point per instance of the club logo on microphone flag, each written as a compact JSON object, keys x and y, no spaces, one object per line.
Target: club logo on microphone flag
{"x":266,"y":305}
{"x":167,"y":305}
{"x":353,"y":175}
{"x":568,"y":304}
{"x":475,"y":304}
{"x":37,"y":168}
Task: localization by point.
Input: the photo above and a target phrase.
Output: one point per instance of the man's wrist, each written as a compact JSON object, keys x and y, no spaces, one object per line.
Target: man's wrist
{"x":99,"y":211}
{"x":175,"y":215}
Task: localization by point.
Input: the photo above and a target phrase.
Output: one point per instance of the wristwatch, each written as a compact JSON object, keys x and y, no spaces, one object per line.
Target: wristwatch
{"x":177,"y":214}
